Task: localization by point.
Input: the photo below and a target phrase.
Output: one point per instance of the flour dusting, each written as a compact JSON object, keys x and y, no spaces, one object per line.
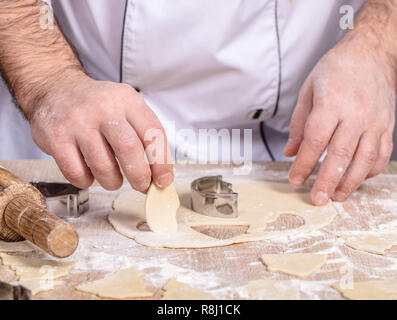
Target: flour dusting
{"x":228,"y":269}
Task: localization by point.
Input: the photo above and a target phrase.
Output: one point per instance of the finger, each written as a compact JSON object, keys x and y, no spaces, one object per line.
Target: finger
{"x":154,"y":140}
{"x":363,"y":161}
{"x":298,"y":120}
{"x":101,"y":160}
{"x":318,"y":132}
{"x":339,"y":155}
{"x":72,"y":165}
{"x":130,"y":153}
{"x":385,"y":151}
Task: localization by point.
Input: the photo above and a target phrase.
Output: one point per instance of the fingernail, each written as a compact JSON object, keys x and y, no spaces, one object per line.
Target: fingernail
{"x":286,"y":149}
{"x":164,"y":180}
{"x":339,"y":196}
{"x":297,"y":181}
{"x":320,"y":198}
{"x":141,"y":186}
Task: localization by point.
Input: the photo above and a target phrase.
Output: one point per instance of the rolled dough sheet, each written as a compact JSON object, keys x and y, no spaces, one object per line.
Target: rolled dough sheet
{"x":370,"y":290}
{"x":376,"y":242}
{"x":161,"y":206}
{"x":125,"y":283}
{"x":294,"y":264}
{"x":267,"y":289}
{"x":175,"y":290}
{"x":29,"y":269}
{"x":21,"y":246}
{"x":37,"y":286}
{"x":260,"y":203}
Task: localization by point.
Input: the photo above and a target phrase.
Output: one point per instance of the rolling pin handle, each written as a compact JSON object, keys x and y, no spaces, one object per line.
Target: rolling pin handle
{"x":44,"y":229}
{"x":24,"y":215}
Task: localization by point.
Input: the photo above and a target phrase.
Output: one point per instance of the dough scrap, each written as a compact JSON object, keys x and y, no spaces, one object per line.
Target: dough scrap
{"x":370,"y":290}
{"x":37,"y":286}
{"x":294,"y":264}
{"x":175,"y":290}
{"x":267,"y":289}
{"x":21,"y":246}
{"x":29,"y":269}
{"x":260,"y":204}
{"x":125,"y":283}
{"x":376,"y":242}
{"x":160,"y":207}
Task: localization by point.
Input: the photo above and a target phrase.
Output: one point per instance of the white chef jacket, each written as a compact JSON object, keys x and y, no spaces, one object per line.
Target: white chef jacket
{"x":234,"y":64}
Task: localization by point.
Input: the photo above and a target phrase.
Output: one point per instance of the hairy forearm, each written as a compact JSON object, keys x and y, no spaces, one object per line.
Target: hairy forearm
{"x":32,"y":59}
{"x":376,"y":25}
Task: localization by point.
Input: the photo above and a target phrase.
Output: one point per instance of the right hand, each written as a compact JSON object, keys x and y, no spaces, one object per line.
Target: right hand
{"x":91,"y":127}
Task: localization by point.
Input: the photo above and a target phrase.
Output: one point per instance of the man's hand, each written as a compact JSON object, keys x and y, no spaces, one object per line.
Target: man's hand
{"x":90,"y":127}
{"x":87,"y":124}
{"x":346,"y":106}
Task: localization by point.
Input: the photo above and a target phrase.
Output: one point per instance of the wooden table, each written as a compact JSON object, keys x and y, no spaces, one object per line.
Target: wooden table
{"x":222,"y":271}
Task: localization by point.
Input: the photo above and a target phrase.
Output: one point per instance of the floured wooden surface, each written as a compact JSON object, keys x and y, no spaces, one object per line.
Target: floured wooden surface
{"x":268,"y":289}
{"x":223,"y":271}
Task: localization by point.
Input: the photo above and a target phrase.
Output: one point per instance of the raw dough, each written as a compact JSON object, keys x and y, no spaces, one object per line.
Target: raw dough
{"x":175,"y":290}
{"x":294,"y":264}
{"x":36,"y":269}
{"x":21,"y":246}
{"x":370,"y":290}
{"x":260,"y":204}
{"x":123,"y":284}
{"x":268,"y":289}
{"x":37,"y":286}
{"x":161,"y":206}
{"x":370,"y":241}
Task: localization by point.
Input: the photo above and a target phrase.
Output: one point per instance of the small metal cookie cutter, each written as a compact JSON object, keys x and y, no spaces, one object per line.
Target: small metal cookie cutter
{"x":14,"y":292}
{"x":214,"y":197}
{"x":64,"y":199}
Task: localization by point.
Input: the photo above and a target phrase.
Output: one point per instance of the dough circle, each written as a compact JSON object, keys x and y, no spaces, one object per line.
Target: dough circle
{"x":260,"y":204}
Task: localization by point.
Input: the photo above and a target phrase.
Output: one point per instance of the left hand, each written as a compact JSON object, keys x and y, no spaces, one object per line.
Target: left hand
{"x":346,"y":106}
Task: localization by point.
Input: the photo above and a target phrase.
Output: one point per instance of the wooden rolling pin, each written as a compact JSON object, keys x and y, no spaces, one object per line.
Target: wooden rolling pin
{"x":24,"y":215}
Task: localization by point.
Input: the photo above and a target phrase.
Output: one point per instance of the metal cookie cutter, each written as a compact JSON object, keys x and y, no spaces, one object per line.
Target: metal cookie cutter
{"x":214,"y":197}
{"x":14,"y":292}
{"x":64,"y":199}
